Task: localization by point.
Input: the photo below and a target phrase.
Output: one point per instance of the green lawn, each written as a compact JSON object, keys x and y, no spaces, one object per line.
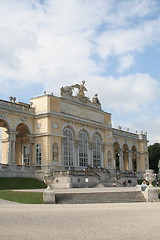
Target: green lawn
{"x":22,"y":197}
{"x":20,"y":183}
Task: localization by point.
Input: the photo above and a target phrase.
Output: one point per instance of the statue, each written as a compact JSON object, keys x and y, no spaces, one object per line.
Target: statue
{"x":67,"y":90}
{"x":81,"y":88}
{"x":55,"y":152}
{"x":95,"y":99}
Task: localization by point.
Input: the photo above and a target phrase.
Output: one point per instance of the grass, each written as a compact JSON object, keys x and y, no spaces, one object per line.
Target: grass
{"x":22,"y":197}
{"x":20,"y":183}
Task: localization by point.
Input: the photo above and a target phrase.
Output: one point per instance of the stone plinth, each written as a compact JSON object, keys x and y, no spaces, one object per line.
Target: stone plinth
{"x":49,"y":196}
{"x":151,"y":194}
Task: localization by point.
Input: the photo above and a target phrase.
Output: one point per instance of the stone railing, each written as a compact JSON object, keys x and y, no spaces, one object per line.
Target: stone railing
{"x":18,"y":106}
{"x":117,"y":132}
{"x":17,"y":171}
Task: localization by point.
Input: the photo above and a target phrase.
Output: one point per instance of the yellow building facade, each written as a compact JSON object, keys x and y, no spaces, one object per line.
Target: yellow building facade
{"x":67,"y":132}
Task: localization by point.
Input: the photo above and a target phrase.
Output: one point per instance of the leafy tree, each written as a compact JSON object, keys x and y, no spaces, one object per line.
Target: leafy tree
{"x":154,"y":156}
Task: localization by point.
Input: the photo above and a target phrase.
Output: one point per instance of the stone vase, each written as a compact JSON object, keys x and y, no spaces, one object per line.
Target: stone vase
{"x":149,"y":176}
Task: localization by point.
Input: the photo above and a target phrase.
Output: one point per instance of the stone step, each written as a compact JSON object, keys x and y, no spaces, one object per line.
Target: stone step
{"x":100,"y":197}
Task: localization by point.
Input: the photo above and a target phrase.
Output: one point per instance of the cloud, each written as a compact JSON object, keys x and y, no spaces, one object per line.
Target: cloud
{"x":54,"y":43}
{"x":122,"y":41}
{"x":41,"y":40}
{"x":127,"y":94}
{"x":125,"y":62}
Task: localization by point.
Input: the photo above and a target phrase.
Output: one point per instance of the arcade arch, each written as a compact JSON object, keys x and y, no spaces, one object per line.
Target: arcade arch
{"x":4,"y":130}
{"x":134,"y":158}
{"x":116,"y":149}
{"x":22,"y":145}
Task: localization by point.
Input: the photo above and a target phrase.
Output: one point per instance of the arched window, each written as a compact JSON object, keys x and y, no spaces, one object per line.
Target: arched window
{"x":83,"y":149}
{"x":68,"y":147}
{"x":96,"y":151}
{"x":38,"y":154}
{"x":109,"y":157}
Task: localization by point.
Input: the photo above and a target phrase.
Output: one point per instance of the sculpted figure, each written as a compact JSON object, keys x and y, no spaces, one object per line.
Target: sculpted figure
{"x":95,"y":99}
{"x":81,"y":88}
{"x":55,"y":152}
{"x":67,"y":90}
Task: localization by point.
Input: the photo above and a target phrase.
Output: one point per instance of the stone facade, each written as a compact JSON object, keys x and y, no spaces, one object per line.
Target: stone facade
{"x":68,"y":132}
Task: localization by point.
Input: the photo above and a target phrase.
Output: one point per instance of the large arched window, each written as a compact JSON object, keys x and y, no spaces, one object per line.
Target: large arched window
{"x":83,"y":149}
{"x":38,"y":154}
{"x":96,"y":151}
{"x":68,"y":147}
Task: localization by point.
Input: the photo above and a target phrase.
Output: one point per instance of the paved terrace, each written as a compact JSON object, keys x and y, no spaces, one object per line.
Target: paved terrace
{"x":111,"y":221}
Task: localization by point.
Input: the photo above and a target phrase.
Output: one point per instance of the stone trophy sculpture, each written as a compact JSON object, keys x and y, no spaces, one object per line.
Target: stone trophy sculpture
{"x":151,"y":193}
{"x":150,"y":177}
{"x":159,"y":167}
{"x":49,"y":194}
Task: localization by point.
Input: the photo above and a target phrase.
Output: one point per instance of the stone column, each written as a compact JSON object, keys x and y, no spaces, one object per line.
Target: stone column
{"x":11,"y":148}
{"x":76,"y":144}
{"x":9,"y":151}
{"x":102,"y":154}
{"x":31,"y":142}
{"x":90,"y":146}
{"x":130,"y":167}
{"x":121,"y":162}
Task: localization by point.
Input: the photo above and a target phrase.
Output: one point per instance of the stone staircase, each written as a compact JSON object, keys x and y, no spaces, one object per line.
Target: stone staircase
{"x":99,"y":197}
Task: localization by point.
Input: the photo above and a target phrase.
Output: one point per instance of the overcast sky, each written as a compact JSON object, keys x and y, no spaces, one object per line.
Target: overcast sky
{"x":114,"y":45}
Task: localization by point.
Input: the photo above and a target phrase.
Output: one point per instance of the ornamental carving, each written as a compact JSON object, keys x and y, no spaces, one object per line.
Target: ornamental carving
{"x":2,"y":116}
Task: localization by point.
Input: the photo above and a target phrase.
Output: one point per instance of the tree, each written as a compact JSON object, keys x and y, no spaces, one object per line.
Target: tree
{"x":154,"y":156}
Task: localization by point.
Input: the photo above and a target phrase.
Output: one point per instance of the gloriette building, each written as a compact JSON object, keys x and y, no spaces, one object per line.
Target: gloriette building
{"x":66,"y":133}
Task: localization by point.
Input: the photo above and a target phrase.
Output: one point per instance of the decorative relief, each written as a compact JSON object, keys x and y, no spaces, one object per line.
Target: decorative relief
{"x":54,"y":125}
{"x":109,"y":136}
{"x":2,"y":116}
{"x":23,"y":119}
{"x":38,"y":125}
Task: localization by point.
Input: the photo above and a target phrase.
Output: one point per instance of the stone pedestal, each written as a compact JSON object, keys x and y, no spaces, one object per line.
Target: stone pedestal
{"x":49,"y":196}
{"x":151,"y":194}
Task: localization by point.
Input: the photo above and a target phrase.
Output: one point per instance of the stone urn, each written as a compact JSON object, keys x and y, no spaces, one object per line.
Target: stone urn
{"x":49,"y":194}
{"x":48,"y":179}
{"x":149,"y":176}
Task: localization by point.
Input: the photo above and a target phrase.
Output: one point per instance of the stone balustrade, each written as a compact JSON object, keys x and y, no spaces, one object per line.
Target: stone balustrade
{"x":17,"y":106}
{"x":17,"y":171}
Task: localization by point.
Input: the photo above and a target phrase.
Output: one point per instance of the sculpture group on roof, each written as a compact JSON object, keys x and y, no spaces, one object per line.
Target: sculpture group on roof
{"x":68,"y":91}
